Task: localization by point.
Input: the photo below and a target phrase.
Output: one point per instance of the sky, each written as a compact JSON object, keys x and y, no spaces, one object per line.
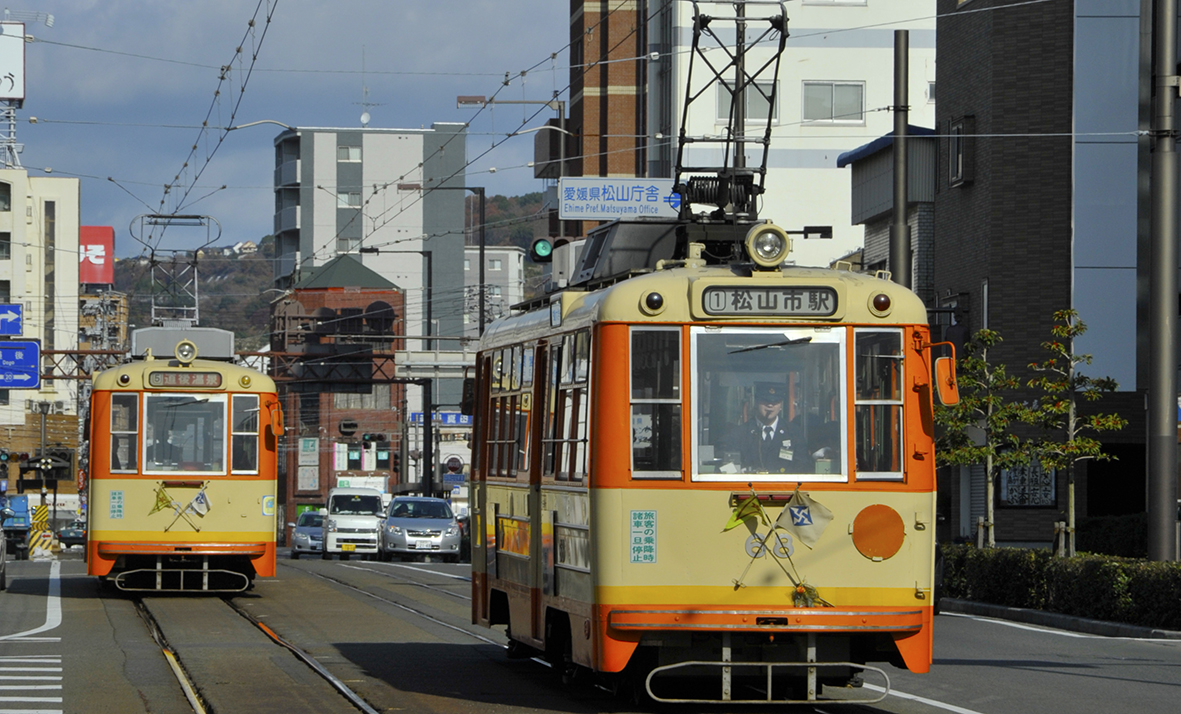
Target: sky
{"x":119,"y":90}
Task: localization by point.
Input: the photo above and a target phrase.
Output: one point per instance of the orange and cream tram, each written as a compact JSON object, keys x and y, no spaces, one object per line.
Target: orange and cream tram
{"x":182,"y":474}
{"x":624,"y":520}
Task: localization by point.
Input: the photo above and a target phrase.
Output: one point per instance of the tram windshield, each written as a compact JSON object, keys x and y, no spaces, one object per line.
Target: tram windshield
{"x":769,"y":402}
{"x":184,"y":432}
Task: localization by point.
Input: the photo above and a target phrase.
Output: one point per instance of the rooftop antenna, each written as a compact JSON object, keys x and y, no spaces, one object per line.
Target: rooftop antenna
{"x":365,"y":103}
{"x":12,"y":78}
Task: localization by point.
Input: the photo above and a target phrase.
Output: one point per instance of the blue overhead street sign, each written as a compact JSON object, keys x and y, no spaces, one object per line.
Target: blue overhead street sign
{"x":605,"y":199}
{"x":11,"y":317}
{"x":20,"y":365}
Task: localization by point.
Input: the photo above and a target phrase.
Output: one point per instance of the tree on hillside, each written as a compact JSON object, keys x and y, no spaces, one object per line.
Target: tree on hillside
{"x":1064,"y":441}
{"x":978,"y":430}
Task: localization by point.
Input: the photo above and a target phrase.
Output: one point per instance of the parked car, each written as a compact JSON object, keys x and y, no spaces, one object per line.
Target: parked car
{"x":417,"y":526}
{"x":73,"y":534}
{"x":4,"y":513}
{"x":308,"y":536}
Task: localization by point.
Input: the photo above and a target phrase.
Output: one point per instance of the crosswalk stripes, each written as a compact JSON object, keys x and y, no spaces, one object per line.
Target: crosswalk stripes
{"x":28,"y":684}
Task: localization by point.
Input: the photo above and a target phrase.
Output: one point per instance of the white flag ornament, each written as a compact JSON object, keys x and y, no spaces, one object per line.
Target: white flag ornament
{"x":200,"y":503}
{"x":804,"y":518}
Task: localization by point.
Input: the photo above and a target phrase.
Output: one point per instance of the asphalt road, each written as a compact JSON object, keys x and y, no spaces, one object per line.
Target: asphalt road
{"x":399,"y":635}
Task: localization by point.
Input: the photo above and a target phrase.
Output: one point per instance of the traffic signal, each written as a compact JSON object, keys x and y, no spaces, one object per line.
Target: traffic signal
{"x":372,"y":438}
{"x":397,"y":462}
{"x":5,"y":457}
{"x":542,"y":251}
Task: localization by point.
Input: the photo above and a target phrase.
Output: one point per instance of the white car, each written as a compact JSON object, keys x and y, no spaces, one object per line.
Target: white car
{"x":351,"y":523}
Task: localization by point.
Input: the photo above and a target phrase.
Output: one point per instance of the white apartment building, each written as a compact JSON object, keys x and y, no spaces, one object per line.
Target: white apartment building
{"x":39,"y":224}
{"x":835,"y":88}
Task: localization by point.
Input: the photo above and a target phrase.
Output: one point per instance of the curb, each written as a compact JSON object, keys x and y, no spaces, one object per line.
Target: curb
{"x":1056,"y":620}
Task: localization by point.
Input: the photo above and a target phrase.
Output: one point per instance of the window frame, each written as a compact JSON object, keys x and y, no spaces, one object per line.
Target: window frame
{"x":348,"y":154}
{"x":344,"y":199}
{"x":723,"y":94}
{"x":832,"y":84}
{"x":254,"y":433}
{"x":132,"y":431}
{"x":899,"y":402}
{"x":677,"y":400}
{"x":819,"y":335}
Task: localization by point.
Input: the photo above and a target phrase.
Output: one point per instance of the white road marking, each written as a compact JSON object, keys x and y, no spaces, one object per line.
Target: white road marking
{"x":921,"y":700}
{"x":1063,"y":633}
{"x":426,"y":570}
{"x":53,"y":610}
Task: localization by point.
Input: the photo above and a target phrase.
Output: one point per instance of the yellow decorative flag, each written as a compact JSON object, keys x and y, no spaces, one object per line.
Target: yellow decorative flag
{"x":163,"y":501}
{"x":749,"y":508}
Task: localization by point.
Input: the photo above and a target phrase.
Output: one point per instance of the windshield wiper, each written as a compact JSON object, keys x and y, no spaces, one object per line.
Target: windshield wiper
{"x":796,"y":341}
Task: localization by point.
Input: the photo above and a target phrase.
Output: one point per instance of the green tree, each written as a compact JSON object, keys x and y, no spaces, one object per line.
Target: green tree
{"x":978,"y":430}
{"x":1065,"y":440}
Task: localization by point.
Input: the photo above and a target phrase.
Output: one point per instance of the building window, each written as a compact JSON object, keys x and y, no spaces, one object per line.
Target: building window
{"x":348,"y":153}
{"x":834,"y":102}
{"x":348,"y":199}
{"x":930,"y":92}
{"x":5,"y":246}
{"x":348,"y":245}
{"x":495,"y":264}
{"x":467,"y":264}
{"x":5,"y":197}
{"x":494,"y":291}
{"x":758,"y":103}
{"x":959,"y":150}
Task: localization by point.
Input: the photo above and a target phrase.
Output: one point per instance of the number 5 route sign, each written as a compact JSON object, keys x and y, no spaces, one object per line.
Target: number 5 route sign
{"x":20,"y":365}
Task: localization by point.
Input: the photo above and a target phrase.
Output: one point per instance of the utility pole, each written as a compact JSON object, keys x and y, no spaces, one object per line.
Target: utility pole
{"x":899,"y":230}
{"x":1162,"y":388}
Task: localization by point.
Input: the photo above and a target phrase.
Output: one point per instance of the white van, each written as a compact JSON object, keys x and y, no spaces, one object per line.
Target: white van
{"x":352,"y":522}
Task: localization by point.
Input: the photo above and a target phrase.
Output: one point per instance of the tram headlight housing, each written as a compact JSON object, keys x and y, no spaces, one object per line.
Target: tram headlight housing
{"x":767,"y":245}
{"x":186,"y":351}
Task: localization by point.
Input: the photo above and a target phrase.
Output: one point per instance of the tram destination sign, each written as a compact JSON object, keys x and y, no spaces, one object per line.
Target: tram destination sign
{"x":773,"y":301}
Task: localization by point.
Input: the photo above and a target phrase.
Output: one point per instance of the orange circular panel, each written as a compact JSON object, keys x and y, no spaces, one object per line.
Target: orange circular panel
{"x":878,"y":531}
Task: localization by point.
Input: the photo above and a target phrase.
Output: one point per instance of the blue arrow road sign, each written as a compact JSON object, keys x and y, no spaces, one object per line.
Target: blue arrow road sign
{"x":20,"y":365}
{"x":11,"y":317}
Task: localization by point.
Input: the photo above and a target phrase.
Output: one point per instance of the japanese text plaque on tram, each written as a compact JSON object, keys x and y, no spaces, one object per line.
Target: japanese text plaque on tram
{"x":776,"y":301}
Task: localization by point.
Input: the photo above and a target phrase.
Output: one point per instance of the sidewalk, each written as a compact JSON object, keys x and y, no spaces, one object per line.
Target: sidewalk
{"x":1056,"y":620}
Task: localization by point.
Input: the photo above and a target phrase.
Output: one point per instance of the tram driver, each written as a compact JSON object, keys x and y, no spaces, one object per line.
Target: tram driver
{"x":770,"y":443}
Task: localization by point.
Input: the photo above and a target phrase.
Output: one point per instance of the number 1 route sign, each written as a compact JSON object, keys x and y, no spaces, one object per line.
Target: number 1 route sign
{"x":11,"y":317}
{"x":20,"y":365}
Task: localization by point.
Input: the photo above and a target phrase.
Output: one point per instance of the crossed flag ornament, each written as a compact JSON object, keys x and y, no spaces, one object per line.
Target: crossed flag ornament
{"x":803,"y":518}
{"x":198,"y":506}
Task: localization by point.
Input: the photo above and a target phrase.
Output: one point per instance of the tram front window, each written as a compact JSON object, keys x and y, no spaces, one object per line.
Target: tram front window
{"x":184,"y":432}
{"x":769,"y":402}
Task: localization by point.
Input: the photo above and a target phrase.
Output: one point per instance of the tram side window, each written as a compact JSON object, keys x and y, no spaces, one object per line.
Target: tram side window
{"x":124,"y":428}
{"x":568,"y":409}
{"x":656,"y":402}
{"x":877,"y":406}
{"x":244,"y":433}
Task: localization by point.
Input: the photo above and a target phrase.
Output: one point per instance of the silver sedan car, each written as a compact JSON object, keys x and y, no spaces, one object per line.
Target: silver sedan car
{"x":417,"y":526}
{"x":307,"y":534}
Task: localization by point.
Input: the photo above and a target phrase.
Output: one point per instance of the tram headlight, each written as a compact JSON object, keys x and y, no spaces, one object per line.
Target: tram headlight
{"x":186,"y":351}
{"x":767,"y":245}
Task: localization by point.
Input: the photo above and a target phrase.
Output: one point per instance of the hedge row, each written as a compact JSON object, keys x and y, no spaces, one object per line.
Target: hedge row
{"x":1099,"y":587}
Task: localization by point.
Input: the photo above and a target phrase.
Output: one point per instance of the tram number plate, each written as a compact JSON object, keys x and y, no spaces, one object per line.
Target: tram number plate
{"x":769,"y":300}
{"x":348,"y":547}
{"x":422,"y":545}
